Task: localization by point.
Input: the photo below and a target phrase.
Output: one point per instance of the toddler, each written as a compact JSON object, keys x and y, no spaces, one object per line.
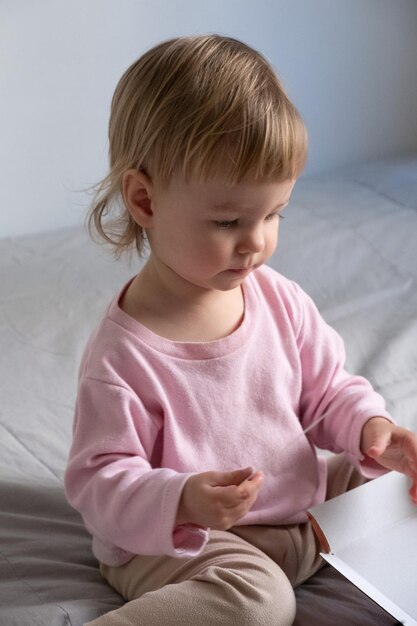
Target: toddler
{"x":189,"y":462}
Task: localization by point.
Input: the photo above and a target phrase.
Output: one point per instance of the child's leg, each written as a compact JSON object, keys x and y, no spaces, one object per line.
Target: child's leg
{"x":294,"y":547}
{"x":341,"y":476}
{"x":231,"y":582}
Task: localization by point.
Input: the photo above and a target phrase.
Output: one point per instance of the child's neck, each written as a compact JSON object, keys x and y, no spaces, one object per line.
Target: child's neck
{"x":180,"y":311}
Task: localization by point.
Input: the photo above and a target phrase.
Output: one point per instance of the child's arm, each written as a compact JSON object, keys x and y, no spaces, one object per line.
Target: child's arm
{"x":218,"y":499}
{"x":128,"y":505}
{"x":393,"y":447}
{"x":327,"y":389}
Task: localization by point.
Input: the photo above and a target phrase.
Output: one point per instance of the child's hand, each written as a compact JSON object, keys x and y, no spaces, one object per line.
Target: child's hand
{"x":218,"y":499}
{"x":393,"y":447}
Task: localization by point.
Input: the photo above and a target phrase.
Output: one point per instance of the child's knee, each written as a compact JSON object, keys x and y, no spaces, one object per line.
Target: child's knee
{"x":260,"y":595}
{"x":275,"y":605}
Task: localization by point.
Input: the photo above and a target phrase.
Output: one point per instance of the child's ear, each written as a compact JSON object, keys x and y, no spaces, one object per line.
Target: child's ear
{"x":137,"y":190}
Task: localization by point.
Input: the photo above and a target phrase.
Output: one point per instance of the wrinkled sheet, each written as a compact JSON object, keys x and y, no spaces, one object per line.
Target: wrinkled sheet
{"x":349,"y":239}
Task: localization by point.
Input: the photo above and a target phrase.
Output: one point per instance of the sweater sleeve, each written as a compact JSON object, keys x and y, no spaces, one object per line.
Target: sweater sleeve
{"x":125,"y":503}
{"x":334,"y":404}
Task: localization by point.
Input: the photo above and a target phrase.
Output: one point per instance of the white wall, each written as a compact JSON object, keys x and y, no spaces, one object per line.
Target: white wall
{"x":349,"y":65}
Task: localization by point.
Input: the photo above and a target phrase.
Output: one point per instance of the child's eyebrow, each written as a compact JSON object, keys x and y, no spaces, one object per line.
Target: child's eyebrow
{"x":228,"y":206}
{"x":224,"y":206}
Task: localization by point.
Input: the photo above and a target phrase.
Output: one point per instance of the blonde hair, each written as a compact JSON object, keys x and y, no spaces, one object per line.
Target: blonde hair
{"x":201,"y":106}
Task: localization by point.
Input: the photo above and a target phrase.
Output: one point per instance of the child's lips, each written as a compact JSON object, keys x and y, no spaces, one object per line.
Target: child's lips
{"x":242,"y":270}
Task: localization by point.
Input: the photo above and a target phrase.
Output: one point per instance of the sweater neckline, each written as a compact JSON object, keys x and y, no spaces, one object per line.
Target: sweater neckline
{"x":189,"y":349}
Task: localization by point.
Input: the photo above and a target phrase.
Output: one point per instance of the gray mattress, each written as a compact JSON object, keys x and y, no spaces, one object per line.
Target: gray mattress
{"x":350,"y":240}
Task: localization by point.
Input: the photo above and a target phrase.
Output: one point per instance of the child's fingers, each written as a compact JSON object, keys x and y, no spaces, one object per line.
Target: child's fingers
{"x":232,"y":502}
{"x":251,"y":484}
{"x":247,"y":490}
{"x":413,"y":491}
{"x":378,"y":445}
{"x":246,"y":504}
{"x":224,"y":479}
{"x":229,"y":497}
{"x":254,"y":480}
{"x":378,"y":439}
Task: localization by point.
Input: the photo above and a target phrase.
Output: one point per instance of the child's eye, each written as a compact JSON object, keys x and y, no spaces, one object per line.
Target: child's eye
{"x":271,"y":216}
{"x":225,"y":224}
{"x":277,"y":214}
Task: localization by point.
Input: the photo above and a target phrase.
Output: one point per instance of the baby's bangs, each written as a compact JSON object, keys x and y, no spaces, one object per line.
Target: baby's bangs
{"x":272,"y":147}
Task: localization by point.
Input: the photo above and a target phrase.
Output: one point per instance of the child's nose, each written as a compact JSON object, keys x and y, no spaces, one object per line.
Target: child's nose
{"x":252,"y":241}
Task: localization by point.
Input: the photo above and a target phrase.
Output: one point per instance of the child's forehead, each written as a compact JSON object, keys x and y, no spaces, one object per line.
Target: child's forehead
{"x":220,"y":195}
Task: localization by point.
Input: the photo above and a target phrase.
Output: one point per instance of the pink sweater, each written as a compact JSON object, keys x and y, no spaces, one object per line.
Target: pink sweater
{"x":150,"y":412}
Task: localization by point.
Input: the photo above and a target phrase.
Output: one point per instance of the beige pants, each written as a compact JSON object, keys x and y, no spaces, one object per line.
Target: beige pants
{"x":243,"y":577}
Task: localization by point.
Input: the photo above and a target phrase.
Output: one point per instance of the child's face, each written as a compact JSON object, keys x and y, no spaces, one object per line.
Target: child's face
{"x":213,"y":235}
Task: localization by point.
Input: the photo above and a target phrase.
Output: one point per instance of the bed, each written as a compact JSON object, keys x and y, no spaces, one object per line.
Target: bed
{"x":350,"y":240}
